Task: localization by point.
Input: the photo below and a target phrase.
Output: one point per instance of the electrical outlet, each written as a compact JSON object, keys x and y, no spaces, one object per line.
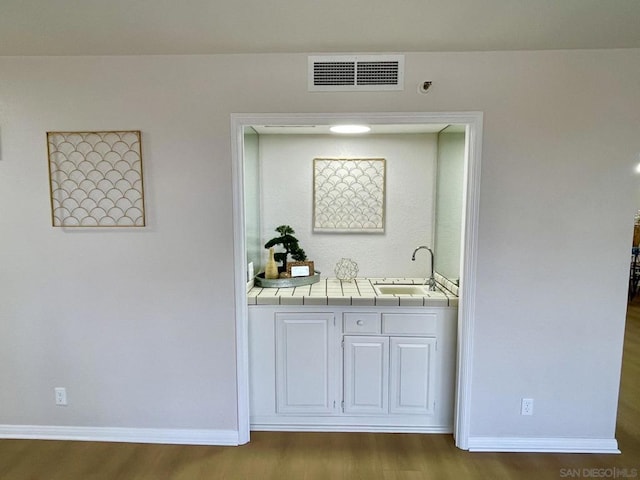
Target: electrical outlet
{"x":61,"y":396}
{"x":526,"y":408}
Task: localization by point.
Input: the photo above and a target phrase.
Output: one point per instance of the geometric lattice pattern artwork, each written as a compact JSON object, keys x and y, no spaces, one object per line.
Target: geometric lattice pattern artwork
{"x":96,"y":179}
{"x":349,"y":195}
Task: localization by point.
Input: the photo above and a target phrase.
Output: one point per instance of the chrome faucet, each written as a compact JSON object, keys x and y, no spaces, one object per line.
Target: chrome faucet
{"x":431,"y":281}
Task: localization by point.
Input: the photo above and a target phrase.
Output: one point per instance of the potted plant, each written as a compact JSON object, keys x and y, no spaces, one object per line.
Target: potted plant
{"x":290,"y":245}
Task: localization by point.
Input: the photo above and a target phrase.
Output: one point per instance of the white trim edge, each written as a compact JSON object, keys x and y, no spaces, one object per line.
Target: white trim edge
{"x":547,"y":445}
{"x":240,"y":282}
{"x":116,"y":434}
{"x":467,"y":291}
{"x":474,"y":120}
{"x":309,"y":427}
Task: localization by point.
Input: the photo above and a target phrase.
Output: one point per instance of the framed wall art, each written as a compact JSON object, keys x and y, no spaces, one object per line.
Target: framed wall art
{"x":96,"y":179}
{"x":349,"y":195}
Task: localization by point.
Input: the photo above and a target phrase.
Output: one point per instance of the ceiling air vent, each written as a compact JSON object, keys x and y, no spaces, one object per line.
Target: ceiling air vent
{"x":343,"y":73}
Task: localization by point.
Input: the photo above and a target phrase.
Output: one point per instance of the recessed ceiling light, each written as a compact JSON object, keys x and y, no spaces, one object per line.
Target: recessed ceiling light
{"x":350,"y":129}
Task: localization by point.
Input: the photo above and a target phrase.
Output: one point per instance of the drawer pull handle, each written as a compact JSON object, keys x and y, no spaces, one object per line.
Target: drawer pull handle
{"x":360,"y":322}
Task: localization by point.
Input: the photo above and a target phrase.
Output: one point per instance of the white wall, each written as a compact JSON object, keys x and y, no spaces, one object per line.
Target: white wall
{"x":449,"y":203}
{"x":287,"y":186}
{"x":139,"y":324}
{"x":252,"y":194}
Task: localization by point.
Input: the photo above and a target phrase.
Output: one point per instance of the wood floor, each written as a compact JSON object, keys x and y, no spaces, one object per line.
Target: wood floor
{"x":334,"y":456}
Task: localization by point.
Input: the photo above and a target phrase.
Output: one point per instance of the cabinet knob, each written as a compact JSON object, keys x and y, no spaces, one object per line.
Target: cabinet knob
{"x":360,"y":322}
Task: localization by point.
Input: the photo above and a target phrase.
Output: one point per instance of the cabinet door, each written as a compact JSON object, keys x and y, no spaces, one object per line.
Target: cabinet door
{"x":304,"y":366}
{"x":412,"y":375}
{"x":366,"y":374}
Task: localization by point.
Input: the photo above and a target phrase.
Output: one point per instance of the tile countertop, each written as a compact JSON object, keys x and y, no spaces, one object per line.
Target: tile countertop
{"x":359,"y":292}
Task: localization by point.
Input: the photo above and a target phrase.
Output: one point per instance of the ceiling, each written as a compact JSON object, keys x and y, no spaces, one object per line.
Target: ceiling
{"x":136,"y":27}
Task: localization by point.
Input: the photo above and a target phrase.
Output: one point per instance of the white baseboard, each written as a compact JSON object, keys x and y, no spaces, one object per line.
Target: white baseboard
{"x":272,"y":427}
{"x":547,"y":445}
{"x":116,"y":434}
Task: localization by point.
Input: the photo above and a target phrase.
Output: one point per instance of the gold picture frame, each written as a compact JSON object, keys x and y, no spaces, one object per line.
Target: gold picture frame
{"x":300,"y":269}
{"x":95,"y":179}
{"x":349,"y":195}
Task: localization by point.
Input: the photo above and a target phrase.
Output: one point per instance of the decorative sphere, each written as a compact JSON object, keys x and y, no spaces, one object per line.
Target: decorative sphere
{"x":346,"y":269}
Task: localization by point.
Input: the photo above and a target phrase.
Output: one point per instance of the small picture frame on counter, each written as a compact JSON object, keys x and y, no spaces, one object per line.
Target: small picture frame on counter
{"x":300,"y":269}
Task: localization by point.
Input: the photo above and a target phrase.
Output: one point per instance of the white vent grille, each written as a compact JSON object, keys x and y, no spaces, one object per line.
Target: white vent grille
{"x":334,"y":73}
{"x":340,"y":73}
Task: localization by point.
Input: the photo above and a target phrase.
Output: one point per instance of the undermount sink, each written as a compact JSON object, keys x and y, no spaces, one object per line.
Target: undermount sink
{"x":401,"y":290}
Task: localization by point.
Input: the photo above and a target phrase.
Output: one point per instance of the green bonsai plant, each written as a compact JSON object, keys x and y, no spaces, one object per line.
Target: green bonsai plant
{"x":290,"y":245}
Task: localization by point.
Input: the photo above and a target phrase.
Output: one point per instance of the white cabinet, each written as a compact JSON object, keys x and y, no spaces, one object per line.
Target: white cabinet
{"x":385,"y":375}
{"x":366,"y":375}
{"x":412,"y":375}
{"x":304,"y":365}
{"x":386,"y":369}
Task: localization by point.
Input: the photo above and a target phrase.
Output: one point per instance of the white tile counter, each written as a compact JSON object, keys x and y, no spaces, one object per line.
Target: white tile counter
{"x":359,"y":292}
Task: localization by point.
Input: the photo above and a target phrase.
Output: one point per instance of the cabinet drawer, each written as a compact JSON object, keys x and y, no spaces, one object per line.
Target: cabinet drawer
{"x":361,"y":323}
{"x":409,"y":323}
